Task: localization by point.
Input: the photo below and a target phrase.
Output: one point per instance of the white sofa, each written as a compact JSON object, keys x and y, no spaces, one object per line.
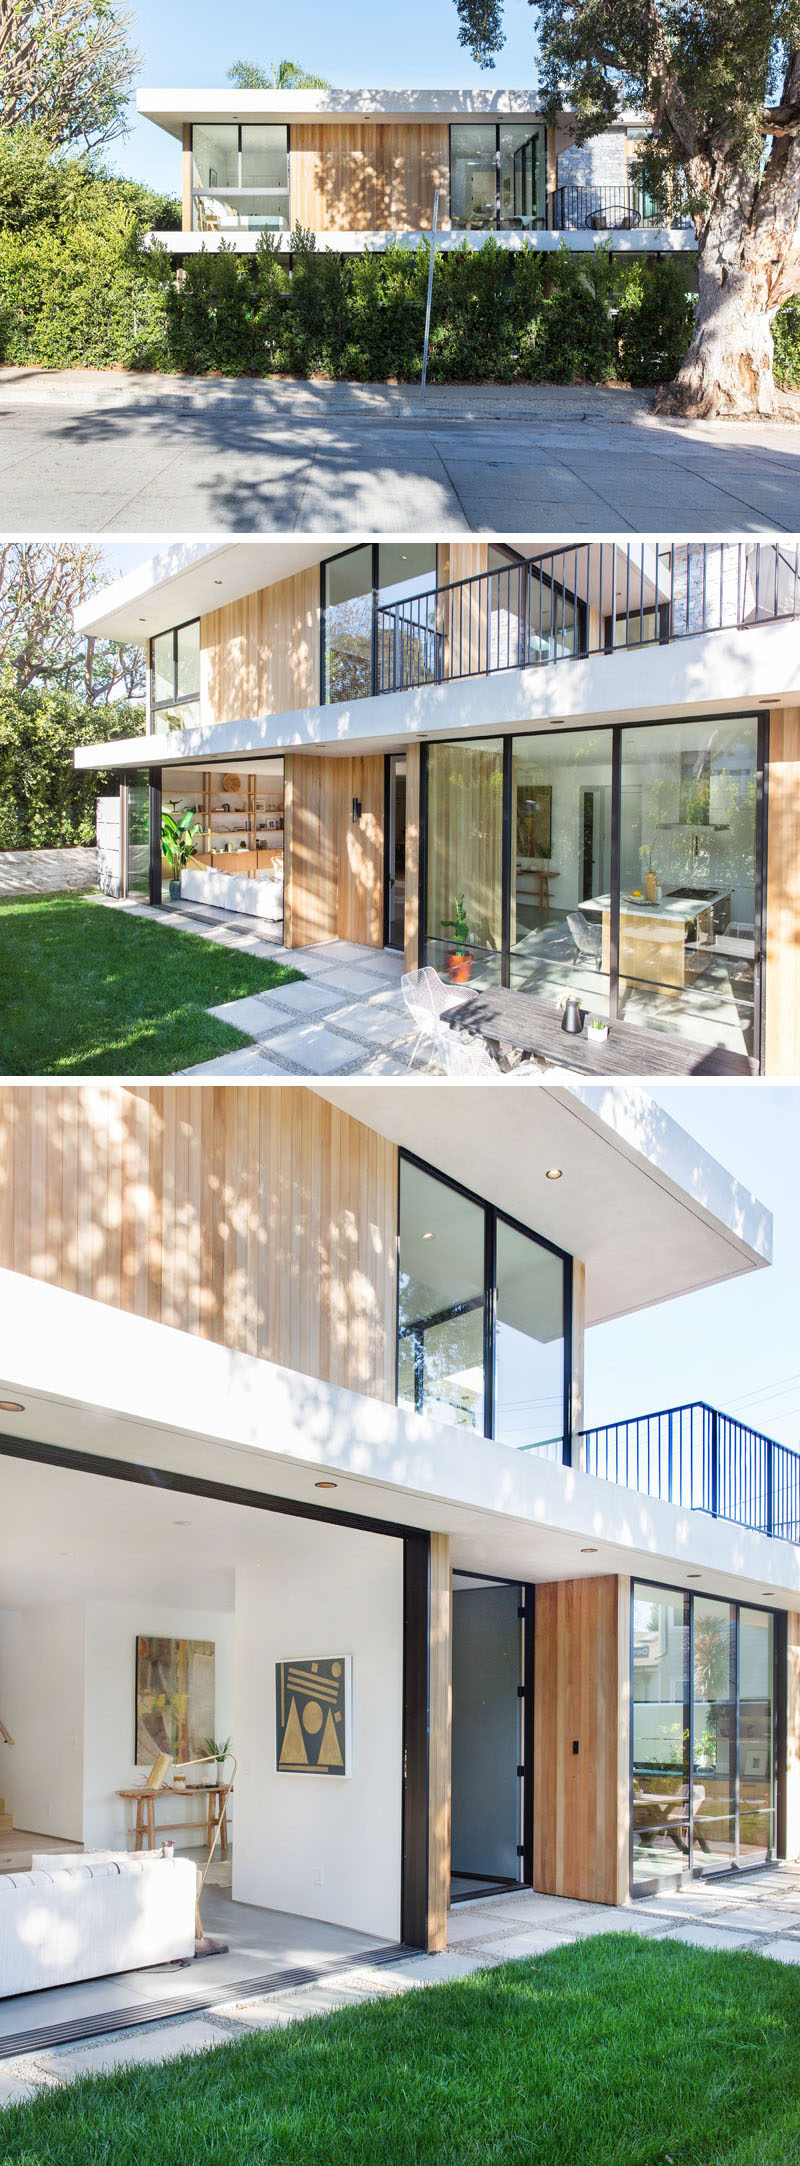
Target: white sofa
{"x":92,"y":1917}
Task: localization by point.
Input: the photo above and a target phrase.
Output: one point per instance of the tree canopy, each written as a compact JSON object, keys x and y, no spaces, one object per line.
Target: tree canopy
{"x":720,"y":82}
{"x":41,"y":587}
{"x":280,"y":75}
{"x":67,"y":67}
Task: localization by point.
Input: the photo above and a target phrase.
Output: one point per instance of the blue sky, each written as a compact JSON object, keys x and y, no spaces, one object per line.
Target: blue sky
{"x":355,"y":46}
{"x":738,"y":1345}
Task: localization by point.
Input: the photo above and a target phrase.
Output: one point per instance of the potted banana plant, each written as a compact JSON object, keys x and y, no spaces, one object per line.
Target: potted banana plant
{"x":459,"y":961}
{"x":179,"y":843}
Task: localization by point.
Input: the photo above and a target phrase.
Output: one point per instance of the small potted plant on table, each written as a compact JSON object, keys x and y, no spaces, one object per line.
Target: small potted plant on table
{"x":459,"y":961}
{"x":217,"y":1749}
{"x":179,"y":843}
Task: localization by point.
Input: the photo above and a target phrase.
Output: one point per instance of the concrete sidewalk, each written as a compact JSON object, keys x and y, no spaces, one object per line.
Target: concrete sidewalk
{"x":96,"y":451}
{"x":757,"y":1914}
{"x":47,"y":872}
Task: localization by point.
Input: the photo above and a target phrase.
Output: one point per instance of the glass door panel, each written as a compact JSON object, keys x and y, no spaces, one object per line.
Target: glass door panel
{"x":756,"y":1732}
{"x":714,"y":1748}
{"x":465,"y":854}
{"x":137,"y":838}
{"x":561,"y":867}
{"x":661,"y":1812}
{"x":687,"y":936}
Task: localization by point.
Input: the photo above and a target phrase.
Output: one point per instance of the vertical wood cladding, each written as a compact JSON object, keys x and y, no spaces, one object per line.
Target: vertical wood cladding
{"x":260,"y":655}
{"x":581,"y":1695}
{"x":333,"y":885}
{"x":782,"y":1000}
{"x":262,"y":1219}
{"x":368,"y":176}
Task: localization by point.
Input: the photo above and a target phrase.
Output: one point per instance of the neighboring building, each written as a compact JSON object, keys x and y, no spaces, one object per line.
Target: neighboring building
{"x":277,"y":1379}
{"x":358,"y":168}
{"x":597,"y":747}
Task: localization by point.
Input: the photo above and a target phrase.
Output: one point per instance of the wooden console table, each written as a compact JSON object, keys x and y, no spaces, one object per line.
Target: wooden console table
{"x":144,"y":1833}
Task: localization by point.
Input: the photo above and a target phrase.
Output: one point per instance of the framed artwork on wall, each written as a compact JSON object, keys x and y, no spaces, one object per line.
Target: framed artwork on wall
{"x":174,"y":1697}
{"x":313,"y":1716}
{"x":534,"y":819}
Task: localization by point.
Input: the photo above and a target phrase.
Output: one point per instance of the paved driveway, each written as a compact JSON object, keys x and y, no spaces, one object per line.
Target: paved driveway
{"x":96,"y":451}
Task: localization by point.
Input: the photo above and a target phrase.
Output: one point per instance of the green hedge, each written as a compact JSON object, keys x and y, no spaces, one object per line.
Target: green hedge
{"x":90,"y":295}
{"x":43,"y":802}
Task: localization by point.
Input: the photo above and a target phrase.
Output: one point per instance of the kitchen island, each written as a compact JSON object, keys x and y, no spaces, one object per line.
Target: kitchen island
{"x":663,"y":943}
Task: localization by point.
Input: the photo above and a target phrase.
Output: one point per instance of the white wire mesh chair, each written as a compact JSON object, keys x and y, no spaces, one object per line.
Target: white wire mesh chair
{"x":426,"y":997}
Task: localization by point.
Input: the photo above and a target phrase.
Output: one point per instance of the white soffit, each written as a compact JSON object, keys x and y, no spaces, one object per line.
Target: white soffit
{"x":649,"y":1212}
{"x":170,"y":108}
{"x":188,"y":579}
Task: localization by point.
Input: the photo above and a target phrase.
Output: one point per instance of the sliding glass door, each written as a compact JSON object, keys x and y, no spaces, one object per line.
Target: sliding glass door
{"x":623,"y":864}
{"x":703,"y":1716}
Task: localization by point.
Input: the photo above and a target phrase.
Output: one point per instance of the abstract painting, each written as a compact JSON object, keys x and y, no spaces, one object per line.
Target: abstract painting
{"x":312,"y":1710}
{"x":174,"y":1698}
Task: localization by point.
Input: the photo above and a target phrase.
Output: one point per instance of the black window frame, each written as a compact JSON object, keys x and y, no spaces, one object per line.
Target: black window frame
{"x":644,"y":1889}
{"x":492,"y":1216}
{"x":184,"y":699}
{"x":501,"y":225}
{"x":617,"y":731}
{"x":372,"y":593}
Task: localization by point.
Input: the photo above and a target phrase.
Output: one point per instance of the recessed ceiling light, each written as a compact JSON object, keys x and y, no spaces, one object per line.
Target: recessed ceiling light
{"x":181,"y":1522}
{"x":589,"y":1552}
{"x":429,"y":1237}
{"x":218,"y":582}
{"x":553,"y":1173}
{"x":11,"y":1406}
{"x":326,"y":1485}
{"x":694,"y":1575}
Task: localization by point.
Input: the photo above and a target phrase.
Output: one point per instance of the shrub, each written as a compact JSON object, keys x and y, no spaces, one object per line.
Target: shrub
{"x":43,"y":802}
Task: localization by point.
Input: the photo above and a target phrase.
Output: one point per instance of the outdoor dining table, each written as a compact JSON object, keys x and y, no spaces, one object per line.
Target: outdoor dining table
{"x":529,"y":1025}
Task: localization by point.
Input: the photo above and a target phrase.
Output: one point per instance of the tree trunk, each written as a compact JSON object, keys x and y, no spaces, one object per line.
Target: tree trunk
{"x":727,"y":372}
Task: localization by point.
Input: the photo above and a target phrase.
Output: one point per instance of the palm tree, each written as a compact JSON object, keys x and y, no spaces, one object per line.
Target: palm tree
{"x":282,"y":75}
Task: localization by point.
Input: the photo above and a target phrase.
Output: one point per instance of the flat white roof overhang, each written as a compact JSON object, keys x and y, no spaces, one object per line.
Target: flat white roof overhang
{"x":189,"y":579}
{"x":707,"y":674}
{"x":170,"y":108}
{"x":105,"y":1386}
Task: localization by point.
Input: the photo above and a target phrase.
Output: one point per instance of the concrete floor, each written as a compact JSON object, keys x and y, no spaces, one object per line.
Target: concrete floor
{"x":96,"y":451}
{"x":757,"y":1913}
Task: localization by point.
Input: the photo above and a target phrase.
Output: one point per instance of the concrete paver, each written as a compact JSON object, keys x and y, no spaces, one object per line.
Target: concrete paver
{"x":481,"y":1934}
{"x":98,"y":450}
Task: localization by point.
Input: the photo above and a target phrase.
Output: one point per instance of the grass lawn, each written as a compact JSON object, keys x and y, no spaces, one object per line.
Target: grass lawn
{"x":88,"y":991}
{"x":616,"y":2051}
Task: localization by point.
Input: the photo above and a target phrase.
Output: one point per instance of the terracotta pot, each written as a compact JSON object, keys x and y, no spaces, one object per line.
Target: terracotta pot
{"x":459,"y":968}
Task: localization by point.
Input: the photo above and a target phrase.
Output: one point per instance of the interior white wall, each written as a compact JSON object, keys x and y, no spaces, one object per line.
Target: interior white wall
{"x":322,"y":1591}
{"x":41,"y":1702}
{"x":109,"y":1729}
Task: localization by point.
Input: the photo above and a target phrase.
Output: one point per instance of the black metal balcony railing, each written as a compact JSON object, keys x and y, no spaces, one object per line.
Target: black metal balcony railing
{"x":607,"y":210}
{"x":701,"y":1459}
{"x":570,"y":604}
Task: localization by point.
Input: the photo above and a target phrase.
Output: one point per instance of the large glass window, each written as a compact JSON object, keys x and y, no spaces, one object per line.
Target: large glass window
{"x":137,"y":835}
{"x":475,"y":1288}
{"x":703,"y":1728}
{"x":365,"y":651}
{"x":465,"y":850}
{"x":440,"y":1358}
{"x":497,"y":175}
{"x":240,"y":177}
{"x":529,"y":1343}
{"x":175,"y":677}
{"x":687,"y":927}
{"x":561,"y":866}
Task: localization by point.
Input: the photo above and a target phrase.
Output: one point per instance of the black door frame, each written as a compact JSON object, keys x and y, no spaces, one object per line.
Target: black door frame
{"x":414,"y":1893}
{"x":616,"y":732}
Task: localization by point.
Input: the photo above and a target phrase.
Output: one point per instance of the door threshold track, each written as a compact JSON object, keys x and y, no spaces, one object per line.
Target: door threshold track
{"x":139,"y":2016}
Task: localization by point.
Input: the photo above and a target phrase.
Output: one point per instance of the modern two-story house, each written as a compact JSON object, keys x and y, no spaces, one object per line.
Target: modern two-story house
{"x":595,"y":750}
{"x":358,"y":168}
{"x":293,"y":1383}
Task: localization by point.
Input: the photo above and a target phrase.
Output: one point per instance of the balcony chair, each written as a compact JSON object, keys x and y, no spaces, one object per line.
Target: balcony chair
{"x":588,"y":938}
